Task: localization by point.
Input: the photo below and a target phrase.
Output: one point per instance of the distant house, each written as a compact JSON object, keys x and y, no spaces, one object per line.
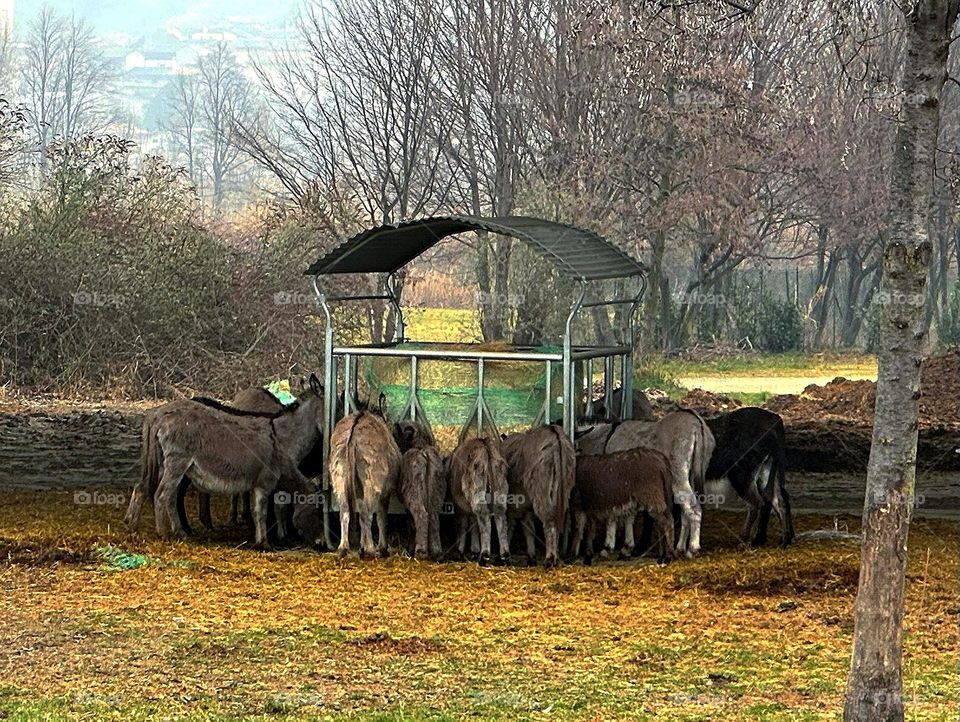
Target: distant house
{"x":151,"y":60}
{"x":214,"y":36}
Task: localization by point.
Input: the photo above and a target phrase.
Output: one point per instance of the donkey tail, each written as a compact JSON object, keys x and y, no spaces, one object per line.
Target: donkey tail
{"x":150,"y":462}
{"x":703,"y":450}
{"x":150,"y":457}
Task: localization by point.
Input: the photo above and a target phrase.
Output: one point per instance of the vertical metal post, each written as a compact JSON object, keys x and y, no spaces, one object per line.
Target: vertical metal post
{"x":329,"y":405}
{"x":588,"y":387}
{"x":569,"y":418}
{"x":401,"y":330}
{"x":546,"y":395}
{"x":413,"y":388}
{"x":480,"y":401}
{"x":608,"y":385}
{"x":627,"y":383}
{"x":349,"y":381}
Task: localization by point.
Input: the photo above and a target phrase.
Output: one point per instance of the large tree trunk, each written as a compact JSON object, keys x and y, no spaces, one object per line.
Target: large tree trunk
{"x":875,"y":684}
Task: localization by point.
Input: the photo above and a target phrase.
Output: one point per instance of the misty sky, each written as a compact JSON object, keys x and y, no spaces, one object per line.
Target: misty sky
{"x":136,"y":16}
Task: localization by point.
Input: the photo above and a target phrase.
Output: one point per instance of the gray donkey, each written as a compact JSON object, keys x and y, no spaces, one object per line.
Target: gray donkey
{"x":364,"y":464}
{"x":254,"y":401}
{"x":477,"y":473}
{"x":542,"y":464}
{"x":686,"y":440}
{"x":423,"y":485}
{"x":224,"y":451}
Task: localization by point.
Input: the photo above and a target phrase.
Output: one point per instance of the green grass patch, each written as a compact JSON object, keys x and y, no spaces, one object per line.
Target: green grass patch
{"x":750,"y":398}
{"x":792,"y":363}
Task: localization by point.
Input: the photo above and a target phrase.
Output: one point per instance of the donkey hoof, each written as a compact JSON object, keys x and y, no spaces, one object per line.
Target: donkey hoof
{"x":263,"y":546}
{"x":342,"y":552}
{"x":531,"y":561}
{"x":484,"y":560}
{"x":606,"y":554}
{"x":626,"y":554}
{"x":368,"y":554}
{"x":550,"y":563}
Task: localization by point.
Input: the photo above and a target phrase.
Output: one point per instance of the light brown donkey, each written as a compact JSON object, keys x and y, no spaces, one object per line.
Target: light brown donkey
{"x":364,"y":464}
{"x":228,"y":452}
{"x":477,"y":473}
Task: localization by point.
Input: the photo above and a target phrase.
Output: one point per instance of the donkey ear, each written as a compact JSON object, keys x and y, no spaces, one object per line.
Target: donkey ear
{"x":315,"y":384}
{"x":382,"y":403}
{"x":577,"y":433}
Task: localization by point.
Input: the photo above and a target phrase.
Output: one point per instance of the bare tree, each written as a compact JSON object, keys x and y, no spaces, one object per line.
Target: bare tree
{"x":65,"y":79}
{"x":357,"y":112}
{"x":875,"y":684}
{"x":224,"y":99}
{"x":181,"y":123}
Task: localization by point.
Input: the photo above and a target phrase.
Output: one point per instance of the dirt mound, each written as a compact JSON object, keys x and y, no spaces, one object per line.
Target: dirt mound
{"x":940,"y":389}
{"x":843,"y":398}
{"x":707,"y":403}
{"x":854,"y":401}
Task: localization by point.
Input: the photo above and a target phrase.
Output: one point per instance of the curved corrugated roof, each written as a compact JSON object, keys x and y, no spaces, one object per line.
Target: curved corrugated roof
{"x":576,"y":252}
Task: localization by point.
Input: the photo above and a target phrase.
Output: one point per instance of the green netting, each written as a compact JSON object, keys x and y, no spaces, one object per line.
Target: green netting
{"x":514,"y":390}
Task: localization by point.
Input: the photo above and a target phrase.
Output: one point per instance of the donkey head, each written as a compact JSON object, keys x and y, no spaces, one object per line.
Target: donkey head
{"x":411,"y":435}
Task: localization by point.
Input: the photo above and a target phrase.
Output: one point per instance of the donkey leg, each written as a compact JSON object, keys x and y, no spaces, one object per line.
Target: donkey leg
{"x":689,"y":542}
{"x":530,"y":538}
{"x":551,"y":542}
{"x":436,"y":548}
{"x":234,"y":509}
{"x":610,"y":542}
{"x":475,"y":539}
{"x":752,"y":512}
{"x":664,"y":524}
{"x":781,"y":504}
{"x":135,"y":507}
{"x":247,"y":510}
{"x":463,"y":529}
{"x":626,"y":551}
{"x":165,"y":501}
{"x":260,"y":497}
{"x":579,"y":524}
{"x":483,"y":525}
{"x":367,"y":549}
{"x":761,"y":536}
{"x":422,"y":529}
{"x":503,"y":539}
{"x":383,"y":520}
{"x":203,"y":509}
{"x":695,"y":523}
{"x":344,"y":548}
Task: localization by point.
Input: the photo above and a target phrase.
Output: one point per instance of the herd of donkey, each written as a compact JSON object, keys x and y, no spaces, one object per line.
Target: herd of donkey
{"x":617,"y":474}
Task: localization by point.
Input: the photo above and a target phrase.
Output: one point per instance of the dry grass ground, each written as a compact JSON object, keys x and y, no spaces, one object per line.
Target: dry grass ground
{"x":213,"y":631}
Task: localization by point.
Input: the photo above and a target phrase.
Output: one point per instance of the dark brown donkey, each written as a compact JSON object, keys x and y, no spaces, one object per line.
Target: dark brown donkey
{"x":223,"y":451}
{"x":618,"y":486}
{"x":364,"y":464}
{"x":542,"y":464}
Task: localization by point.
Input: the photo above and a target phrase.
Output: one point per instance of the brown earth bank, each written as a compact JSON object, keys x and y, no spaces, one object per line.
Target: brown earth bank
{"x":830,"y":427}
